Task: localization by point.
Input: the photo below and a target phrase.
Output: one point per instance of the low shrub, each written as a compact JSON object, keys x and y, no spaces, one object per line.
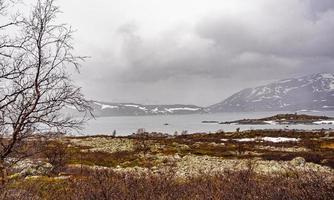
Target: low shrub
{"x":232,"y":185}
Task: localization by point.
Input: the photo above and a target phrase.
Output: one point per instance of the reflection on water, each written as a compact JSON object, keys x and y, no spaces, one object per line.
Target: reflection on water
{"x":191,"y":123}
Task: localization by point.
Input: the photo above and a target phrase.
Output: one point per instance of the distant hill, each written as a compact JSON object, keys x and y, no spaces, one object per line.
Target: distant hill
{"x":103,"y":109}
{"x":314,"y":92}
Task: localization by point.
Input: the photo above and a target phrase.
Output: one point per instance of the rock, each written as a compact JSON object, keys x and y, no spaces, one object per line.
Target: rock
{"x":177,"y":157}
{"x":184,"y":147}
{"x":325,"y":161}
{"x":62,"y":177}
{"x":298,"y":161}
{"x":32,"y":168}
{"x":109,"y":145}
{"x":197,"y":144}
{"x":32,"y":177}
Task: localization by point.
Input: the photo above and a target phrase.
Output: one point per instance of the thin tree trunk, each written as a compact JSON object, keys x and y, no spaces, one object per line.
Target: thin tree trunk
{"x":3,"y":173}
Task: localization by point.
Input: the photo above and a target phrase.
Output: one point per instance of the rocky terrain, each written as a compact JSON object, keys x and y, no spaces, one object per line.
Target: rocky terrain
{"x":131,"y":167}
{"x":268,"y":151}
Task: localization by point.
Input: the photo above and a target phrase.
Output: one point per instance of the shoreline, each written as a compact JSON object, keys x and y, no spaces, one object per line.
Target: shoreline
{"x":191,"y":123}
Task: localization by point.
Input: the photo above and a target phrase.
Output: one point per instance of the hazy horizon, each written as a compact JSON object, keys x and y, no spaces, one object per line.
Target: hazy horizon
{"x":196,"y":52}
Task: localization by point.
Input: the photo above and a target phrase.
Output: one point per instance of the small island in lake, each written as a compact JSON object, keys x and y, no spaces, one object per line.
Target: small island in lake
{"x":288,"y":119}
{"x":210,"y":122}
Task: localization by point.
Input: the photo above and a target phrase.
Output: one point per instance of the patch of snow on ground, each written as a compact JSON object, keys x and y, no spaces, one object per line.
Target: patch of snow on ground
{"x":279,"y":139}
{"x":270,"y":122}
{"x":324,"y":122}
{"x":268,"y":139}
{"x":246,"y":140}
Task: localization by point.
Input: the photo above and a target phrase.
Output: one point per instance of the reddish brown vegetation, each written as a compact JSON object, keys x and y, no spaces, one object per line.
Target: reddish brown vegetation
{"x":106,"y":184}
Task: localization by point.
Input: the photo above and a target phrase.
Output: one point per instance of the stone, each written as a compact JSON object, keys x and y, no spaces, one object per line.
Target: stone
{"x":32,"y":168}
{"x":298,"y":161}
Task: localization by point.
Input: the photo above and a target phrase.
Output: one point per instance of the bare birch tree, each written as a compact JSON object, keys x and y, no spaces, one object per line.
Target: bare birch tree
{"x":37,"y":83}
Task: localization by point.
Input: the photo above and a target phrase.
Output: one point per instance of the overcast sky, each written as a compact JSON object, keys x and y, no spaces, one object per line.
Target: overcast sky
{"x":196,"y":51}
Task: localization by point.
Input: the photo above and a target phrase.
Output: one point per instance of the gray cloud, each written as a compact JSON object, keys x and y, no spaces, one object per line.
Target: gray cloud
{"x":214,"y":56}
{"x":272,"y":34}
{"x":319,"y":6}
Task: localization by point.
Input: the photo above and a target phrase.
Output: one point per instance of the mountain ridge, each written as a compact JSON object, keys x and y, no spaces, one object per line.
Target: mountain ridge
{"x":105,"y":109}
{"x":313,"y":92}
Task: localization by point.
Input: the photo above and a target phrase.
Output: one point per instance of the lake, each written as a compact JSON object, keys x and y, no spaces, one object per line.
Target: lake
{"x":191,"y":123}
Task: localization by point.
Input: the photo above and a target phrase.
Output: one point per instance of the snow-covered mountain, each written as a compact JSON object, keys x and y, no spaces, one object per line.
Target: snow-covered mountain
{"x":314,"y":92}
{"x":102,"y":109}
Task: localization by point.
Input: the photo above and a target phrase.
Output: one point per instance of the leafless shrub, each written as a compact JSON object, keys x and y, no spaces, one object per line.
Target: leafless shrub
{"x":57,"y":154}
{"x":142,"y":145}
{"x":232,"y":185}
{"x":228,"y":185}
{"x":38,"y":83}
{"x":126,"y":186}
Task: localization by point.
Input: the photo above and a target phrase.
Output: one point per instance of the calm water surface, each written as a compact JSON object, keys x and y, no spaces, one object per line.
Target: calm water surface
{"x":192,"y":123}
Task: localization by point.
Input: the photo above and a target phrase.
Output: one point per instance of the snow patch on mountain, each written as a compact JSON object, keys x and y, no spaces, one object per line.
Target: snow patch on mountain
{"x":131,"y":109}
{"x":104,"y":106}
{"x":182,"y":109}
{"x":137,"y":106}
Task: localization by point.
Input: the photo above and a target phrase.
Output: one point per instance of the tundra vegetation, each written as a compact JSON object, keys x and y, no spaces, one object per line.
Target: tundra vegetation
{"x":194,"y":166}
{"x":37,"y":162}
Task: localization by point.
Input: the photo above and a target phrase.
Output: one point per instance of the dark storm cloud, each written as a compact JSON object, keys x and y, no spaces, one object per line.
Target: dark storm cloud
{"x":321,"y":5}
{"x":287,"y":38}
{"x":225,"y":46}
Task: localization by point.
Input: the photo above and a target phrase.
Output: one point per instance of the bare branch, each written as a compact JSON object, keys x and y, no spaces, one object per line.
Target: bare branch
{"x":38,"y":85}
